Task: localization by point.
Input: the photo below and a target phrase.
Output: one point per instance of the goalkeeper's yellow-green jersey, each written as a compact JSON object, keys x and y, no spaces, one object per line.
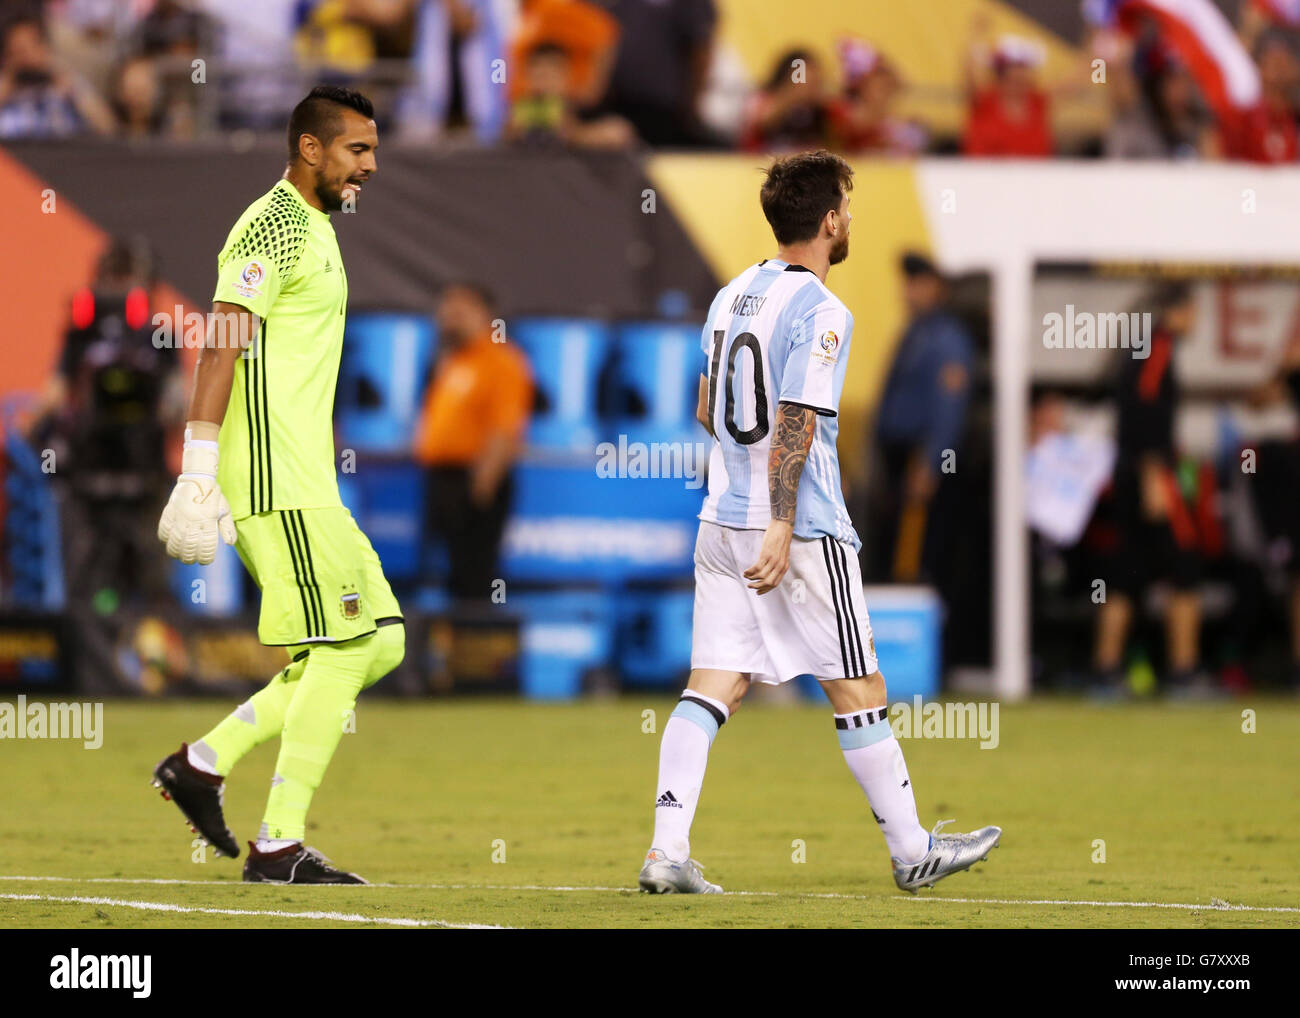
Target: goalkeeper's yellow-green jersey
{"x":282,"y":262}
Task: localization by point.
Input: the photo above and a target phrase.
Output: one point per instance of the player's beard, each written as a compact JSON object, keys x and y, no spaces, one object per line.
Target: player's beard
{"x":841,"y":250}
{"x":331,"y":195}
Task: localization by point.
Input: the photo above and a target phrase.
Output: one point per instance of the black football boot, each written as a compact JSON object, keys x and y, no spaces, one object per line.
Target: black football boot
{"x":198,"y":795}
{"x":293,"y":864}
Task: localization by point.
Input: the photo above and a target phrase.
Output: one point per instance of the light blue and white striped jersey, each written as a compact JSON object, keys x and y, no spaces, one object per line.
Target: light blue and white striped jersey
{"x":775,"y":334}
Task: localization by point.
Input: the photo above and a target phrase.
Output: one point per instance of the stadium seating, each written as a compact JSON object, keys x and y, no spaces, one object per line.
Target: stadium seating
{"x":381,"y":380}
{"x":658,"y":367}
{"x":31,"y":527}
{"x":654,"y":635}
{"x":633,"y":383}
{"x":223,"y":585}
{"x":386,"y":497}
{"x":567,"y":357}
{"x":567,"y":638}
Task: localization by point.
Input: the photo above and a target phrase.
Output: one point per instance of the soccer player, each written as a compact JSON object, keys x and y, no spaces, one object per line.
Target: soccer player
{"x":258,"y":472}
{"x":777,"y":589}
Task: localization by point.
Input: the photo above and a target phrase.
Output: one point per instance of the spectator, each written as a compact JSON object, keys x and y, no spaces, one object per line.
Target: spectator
{"x":172,"y":29}
{"x":542,"y":113}
{"x":862,"y":120}
{"x":1066,"y":470}
{"x":457,"y":62}
{"x":344,"y":38}
{"x":588,"y":36}
{"x":1275,"y":482}
{"x":791,"y":112}
{"x":661,"y":67}
{"x":1155,"y":532}
{"x":335,"y":37}
{"x":259,"y":83}
{"x":1160,"y":114}
{"x":153,"y":90}
{"x":469,"y":436}
{"x":920,"y":424}
{"x":1009,"y":112}
{"x":38,"y":99}
{"x":1266,"y":133}
{"x":137,"y":98}
{"x":88,"y":34}
{"x":545,"y":113}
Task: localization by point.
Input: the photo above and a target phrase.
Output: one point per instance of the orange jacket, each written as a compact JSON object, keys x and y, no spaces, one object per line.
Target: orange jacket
{"x":483,"y":389}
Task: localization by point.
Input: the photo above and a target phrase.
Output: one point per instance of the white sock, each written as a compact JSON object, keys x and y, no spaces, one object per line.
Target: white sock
{"x":683,"y":757}
{"x":274,"y":844}
{"x":197,"y":762}
{"x":876,"y":760}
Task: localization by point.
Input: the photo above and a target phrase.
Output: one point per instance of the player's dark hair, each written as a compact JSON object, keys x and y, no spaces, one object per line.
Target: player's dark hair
{"x":321,"y":114}
{"x":800,"y":189}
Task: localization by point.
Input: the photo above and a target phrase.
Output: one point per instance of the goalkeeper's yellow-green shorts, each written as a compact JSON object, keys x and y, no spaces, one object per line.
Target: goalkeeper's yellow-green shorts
{"x":320,"y":578}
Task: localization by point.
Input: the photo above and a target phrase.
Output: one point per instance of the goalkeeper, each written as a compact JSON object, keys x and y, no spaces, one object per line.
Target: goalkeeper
{"x":258,"y":473}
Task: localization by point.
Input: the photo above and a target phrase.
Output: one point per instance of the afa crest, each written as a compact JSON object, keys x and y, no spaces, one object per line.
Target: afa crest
{"x":350,"y":605}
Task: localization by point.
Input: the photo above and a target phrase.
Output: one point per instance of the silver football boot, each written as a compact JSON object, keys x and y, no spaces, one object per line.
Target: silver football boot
{"x":949,"y":853}
{"x":660,"y":875}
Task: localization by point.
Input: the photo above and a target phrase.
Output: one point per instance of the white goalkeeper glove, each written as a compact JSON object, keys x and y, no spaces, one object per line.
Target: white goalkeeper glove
{"x":197,"y":511}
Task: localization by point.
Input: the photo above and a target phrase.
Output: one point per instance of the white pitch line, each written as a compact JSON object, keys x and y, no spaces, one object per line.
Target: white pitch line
{"x":741,"y":894}
{"x":1116,"y":904}
{"x":336,"y":917}
{"x":135,"y":880}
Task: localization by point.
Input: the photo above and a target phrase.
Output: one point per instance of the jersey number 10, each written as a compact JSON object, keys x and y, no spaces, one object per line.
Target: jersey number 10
{"x":746,"y":339}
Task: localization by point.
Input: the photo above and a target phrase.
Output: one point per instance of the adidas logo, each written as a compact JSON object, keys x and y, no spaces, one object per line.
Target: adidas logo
{"x":328,"y":266}
{"x":668,"y":799}
{"x":924,"y":869}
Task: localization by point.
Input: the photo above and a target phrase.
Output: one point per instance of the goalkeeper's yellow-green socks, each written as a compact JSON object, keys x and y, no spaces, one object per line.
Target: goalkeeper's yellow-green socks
{"x":257,"y":719}
{"x":308,"y":704}
{"x":313,"y":726}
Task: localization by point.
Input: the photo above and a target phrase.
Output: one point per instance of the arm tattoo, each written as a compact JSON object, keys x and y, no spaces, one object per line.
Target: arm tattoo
{"x":794,"y":434}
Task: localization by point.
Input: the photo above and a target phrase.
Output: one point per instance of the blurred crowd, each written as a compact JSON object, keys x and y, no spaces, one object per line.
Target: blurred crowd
{"x":532,"y":71}
{"x":1159,"y":563}
{"x":622,"y":73}
{"x":1188,"y":557}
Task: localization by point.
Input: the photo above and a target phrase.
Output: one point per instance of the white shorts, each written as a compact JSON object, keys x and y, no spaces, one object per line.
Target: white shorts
{"x":813,"y":623}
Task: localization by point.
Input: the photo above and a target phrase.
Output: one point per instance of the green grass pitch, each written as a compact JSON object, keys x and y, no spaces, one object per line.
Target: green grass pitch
{"x":528,"y":815}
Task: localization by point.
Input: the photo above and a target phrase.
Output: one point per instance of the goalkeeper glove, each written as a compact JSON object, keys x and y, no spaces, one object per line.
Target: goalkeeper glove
{"x":197,"y":510}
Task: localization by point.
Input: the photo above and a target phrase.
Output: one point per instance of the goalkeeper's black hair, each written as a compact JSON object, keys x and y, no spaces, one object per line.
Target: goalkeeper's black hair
{"x":320,"y":114}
